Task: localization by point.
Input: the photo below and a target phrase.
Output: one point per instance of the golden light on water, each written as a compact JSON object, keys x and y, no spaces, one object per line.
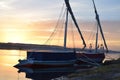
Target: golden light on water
{"x":11,"y":57}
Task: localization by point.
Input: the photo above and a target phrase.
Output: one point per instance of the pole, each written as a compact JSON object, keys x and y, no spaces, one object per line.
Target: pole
{"x":75,"y":22}
{"x":99,"y":24}
{"x":66,"y":25}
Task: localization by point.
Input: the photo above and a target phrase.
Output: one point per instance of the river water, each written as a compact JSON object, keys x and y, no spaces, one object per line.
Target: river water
{"x":9,"y":58}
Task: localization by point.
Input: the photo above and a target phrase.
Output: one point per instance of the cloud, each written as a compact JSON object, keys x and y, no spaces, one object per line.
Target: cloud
{"x":5,"y":4}
{"x":30,"y":10}
{"x":35,"y":10}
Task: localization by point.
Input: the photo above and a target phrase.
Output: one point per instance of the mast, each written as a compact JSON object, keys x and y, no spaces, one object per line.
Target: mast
{"x":75,"y":22}
{"x":66,"y":24}
{"x":96,"y":44}
{"x":99,"y":24}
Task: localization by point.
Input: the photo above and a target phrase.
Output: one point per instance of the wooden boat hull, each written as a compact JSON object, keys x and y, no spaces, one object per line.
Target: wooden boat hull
{"x":83,"y":58}
{"x":56,"y":59}
{"x":48,"y":59}
{"x":45,"y":64}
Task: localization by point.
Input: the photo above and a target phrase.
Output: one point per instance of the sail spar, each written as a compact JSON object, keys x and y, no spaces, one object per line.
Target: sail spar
{"x":75,"y":22}
{"x":99,"y":25}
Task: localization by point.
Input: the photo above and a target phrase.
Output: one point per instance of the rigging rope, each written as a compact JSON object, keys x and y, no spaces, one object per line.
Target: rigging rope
{"x":55,"y":29}
{"x":73,"y":36}
{"x":92,"y":35}
{"x":90,"y":61}
{"x":62,"y":26}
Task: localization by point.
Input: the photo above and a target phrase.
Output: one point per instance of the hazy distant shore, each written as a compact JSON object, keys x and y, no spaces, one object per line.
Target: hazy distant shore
{"x":23,"y":46}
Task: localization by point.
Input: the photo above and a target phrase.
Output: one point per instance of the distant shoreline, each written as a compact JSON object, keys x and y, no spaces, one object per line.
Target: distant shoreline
{"x":23,"y":46}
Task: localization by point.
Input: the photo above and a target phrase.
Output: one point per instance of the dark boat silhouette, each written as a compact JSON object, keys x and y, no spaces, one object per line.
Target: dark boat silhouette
{"x":67,"y":56}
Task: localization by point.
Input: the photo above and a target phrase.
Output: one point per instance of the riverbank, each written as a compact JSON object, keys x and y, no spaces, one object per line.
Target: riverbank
{"x":110,"y":70}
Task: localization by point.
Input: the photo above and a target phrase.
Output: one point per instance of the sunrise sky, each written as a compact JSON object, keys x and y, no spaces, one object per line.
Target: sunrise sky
{"x":32,"y":21}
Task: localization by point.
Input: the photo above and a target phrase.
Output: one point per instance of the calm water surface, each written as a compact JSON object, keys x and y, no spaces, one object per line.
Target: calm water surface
{"x":9,"y":58}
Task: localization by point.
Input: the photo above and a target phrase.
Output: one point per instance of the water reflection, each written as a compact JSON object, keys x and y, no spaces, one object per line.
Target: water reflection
{"x":9,"y":58}
{"x":46,"y":73}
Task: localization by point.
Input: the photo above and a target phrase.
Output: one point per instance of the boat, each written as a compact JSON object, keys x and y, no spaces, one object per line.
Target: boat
{"x":66,"y":56}
{"x":94,"y":56}
{"x":41,"y":59}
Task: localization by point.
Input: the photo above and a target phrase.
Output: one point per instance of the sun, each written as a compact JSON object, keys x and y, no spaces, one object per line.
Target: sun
{"x":15,"y":38}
